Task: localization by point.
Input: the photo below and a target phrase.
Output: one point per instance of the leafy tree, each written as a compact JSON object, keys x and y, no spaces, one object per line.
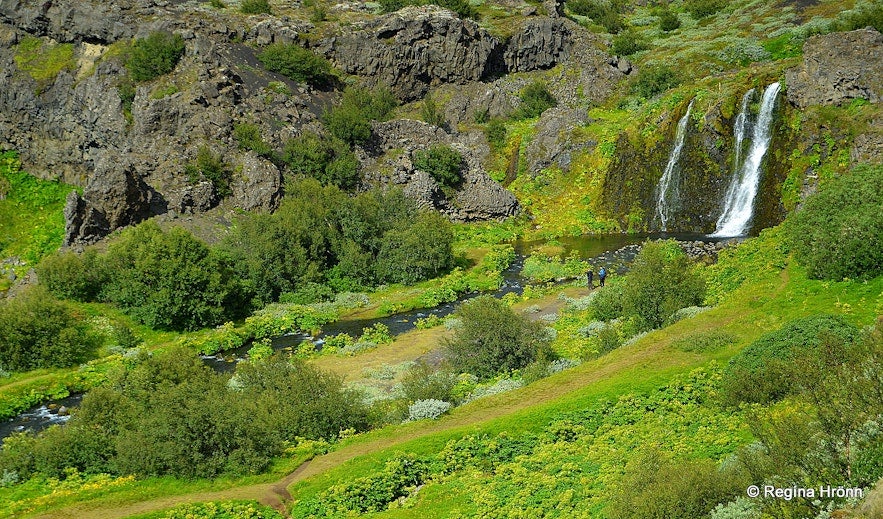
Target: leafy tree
{"x":36,"y":331}
{"x":171,"y":280}
{"x":350,"y":121}
{"x":496,"y":133}
{"x":329,"y":161}
{"x":442,"y":162}
{"x":839,"y":233}
{"x":492,"y":339}
{"x":155,"y":55}
{"x":295,"y":62}
{"x":419,"y":251}
{"x":661,"y":282}
{"x":535,"y":99}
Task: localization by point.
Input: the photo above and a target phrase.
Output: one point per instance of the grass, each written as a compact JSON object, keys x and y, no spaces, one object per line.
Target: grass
{"x":31,"y":214}
{"x":44,"y":61}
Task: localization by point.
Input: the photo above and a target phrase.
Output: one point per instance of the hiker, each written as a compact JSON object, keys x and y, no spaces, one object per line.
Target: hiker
{"x":589,"y":275}
{"x":602,"y":275}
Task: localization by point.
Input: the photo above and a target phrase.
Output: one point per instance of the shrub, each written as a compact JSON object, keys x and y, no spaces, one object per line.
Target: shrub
{"x":221,"y":510}
{"x":702,"y":8}
{"x":248,"y":136}
{"x":295,"y":62}
{"x":462,"y":7}
{"x":601,"y":12}
{"x":431,"y":113}
{"x":329,"y":161}
{"x":653,"y":80}
{"x":628,"y":42}
{"x":608,"y":339}
{"x":210,"y":166}
{"x":422,"y":382}
{"x":668,"y":19}
{"x":378,"y":333}
{"x":661,"y":281}
{"x":765,"y":370}
{"x":607,"y":304}
{"x":350,"y":121}
{"x":428,"y":409}
{"x":171,"y":280}
{"x":496,"y":133}
{"x":255,"y":7}
{"x":500,"y":386}
{"x":655,"y":487}
{"x":865,"y":15}
{"x":491,"y":339}
{"x":839,"y":233}
{"x":419,"y":251}
{"x":442,"y":162}
{"x":37,"y":331}
{"x":155,"y":55}
{"x":535,"y":99}
{"x":71,"y":276}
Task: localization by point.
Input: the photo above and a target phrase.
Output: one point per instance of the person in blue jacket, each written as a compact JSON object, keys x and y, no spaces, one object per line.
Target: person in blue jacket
{"x":602,"y":275}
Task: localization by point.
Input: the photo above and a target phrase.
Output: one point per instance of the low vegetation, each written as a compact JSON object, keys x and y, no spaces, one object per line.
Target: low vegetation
{"x":296,"y":62}
{"x":155,"y":55}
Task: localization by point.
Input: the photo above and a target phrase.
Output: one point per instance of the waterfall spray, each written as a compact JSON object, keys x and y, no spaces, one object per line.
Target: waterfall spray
{"x":667,"y":191}
{"x":739,"y":205}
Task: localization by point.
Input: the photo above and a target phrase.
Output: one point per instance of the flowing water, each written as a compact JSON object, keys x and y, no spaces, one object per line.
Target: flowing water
{"x":40,"y":417}
{"x":668,"y":192}
{"x":739,"y":205}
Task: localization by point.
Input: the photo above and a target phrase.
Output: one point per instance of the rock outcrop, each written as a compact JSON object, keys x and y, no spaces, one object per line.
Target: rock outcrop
{"x":538,"y":44}
{"x":838,"y":67}
{"x":478,"y":197}
{"x":552,"y":143}
{"x":414,"y":48}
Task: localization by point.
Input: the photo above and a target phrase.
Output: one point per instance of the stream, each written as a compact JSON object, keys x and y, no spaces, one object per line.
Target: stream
{"x":613,"y":251}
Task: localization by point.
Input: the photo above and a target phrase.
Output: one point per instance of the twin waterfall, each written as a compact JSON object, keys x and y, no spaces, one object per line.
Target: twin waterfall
{"x":739,"y":202}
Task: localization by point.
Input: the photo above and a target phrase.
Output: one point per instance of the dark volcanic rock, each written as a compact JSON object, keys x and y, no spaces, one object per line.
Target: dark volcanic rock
{"x":538,"y":44}
{"x":552,"y":142}
{"x":838,"y":67}
{"x":414,"y":48}
{"x":72,"y":20}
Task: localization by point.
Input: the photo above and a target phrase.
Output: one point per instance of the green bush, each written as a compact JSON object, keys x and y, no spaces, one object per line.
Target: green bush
{"x":668,"y":19}
{"x":604,"y":13}
{"x":37,"y":331}
{"x":295,"y":62}
{"x":869,"y":14}
{"x":170,"y":280}
{"x":490,"y":339}
{"x":210,"y":166}
{"x":431,"y":113}
{"x":839,"y":233}
{"x":462,"y":7}
{"x":255,"y":7}
{"x":422,"y":382}
{"x":607,"y":303}
{"x":422,"y":250}
{"x":628,"y":42}
{"x":331,"y":162}
{"x":535,"y":99}
{"x":68,"y":275}
{"x":442,"y":162}
{"x":155,"y":55}
{"x":350,"y":121}
{"x":660,"y":282}
{"x":221,"y":510}
{"x":248,"y":137}
{"x":496,"y":133}
{"x":702,"y":8}
{"x":653,"y":80}
{"x":655,"y":487}
{"x":765,"y":370}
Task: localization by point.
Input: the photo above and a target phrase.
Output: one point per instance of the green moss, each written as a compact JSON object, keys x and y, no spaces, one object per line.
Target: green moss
{"x":43,"y":61}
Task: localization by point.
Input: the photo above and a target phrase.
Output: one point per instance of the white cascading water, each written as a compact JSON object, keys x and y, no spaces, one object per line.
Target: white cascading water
{"x":667,"y":191}
{"x":739,"y":205}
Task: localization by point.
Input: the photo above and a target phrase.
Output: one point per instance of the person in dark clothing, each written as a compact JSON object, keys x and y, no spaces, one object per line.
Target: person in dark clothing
{"x":602,"y":275}
{"x":589,"y":275}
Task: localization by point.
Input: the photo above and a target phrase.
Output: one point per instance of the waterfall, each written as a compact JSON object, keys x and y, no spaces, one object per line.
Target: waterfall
{"x":739,"y":204}
{"x":667,"y":192}
{"x":739,"y":132}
